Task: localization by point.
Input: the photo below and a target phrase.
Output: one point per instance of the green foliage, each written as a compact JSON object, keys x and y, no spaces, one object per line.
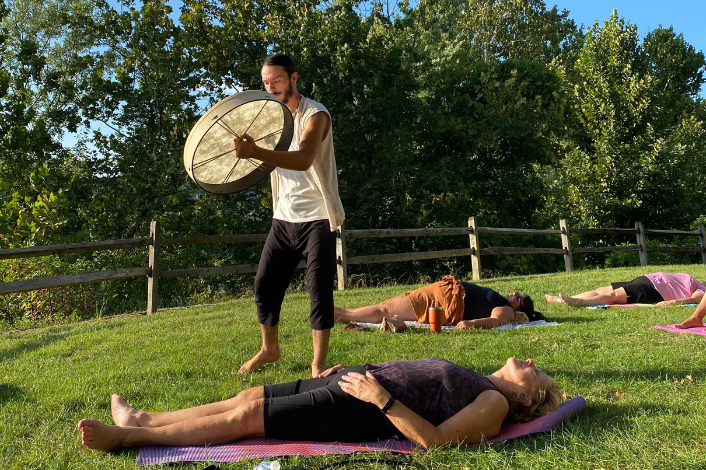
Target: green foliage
{"x":442,"y":110}
{"x":632,"y":258}
{"x":47,"y":306}
{"x":636,"y":138}
{"x":516,"y":29}
{"x":32,"y":206}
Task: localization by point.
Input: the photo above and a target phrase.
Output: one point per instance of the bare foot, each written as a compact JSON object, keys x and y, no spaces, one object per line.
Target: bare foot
{"x":689,"y":323}
{"x":553,"y":299}
{"x":262,"y":357}
{"x":123,"y":413}
{"x":339,"y":315}
{"x":572,"y":301}
{"x":97,"y":435}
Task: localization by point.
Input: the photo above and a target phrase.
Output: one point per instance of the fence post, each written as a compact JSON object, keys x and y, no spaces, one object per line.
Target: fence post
{"x":341,"y":264}
{"x":702,"y":241}
{"x":566,"y":245}
{"x":153,"y":278}
{"x":641,"y":243}
{"x":475,"y":247}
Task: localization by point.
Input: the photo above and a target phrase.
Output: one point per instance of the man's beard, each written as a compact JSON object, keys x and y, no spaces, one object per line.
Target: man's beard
{"x":288,"y":93}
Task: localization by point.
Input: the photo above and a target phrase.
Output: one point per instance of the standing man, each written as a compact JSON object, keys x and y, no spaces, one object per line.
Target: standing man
{"x":307,"y":210}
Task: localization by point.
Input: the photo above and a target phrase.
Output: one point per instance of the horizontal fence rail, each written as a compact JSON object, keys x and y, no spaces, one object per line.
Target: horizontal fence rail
{"x":71,"y":248}
{"x":154,"y":243}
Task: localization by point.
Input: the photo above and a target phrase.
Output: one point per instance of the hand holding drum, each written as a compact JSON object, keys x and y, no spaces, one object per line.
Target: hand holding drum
{"x":216,"y":153}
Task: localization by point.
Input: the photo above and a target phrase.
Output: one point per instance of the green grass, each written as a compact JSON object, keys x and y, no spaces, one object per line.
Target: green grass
{"x":637,"y":417}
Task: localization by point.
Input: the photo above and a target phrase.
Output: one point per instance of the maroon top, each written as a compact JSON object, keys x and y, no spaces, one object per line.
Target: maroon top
{"x":434,"y":388}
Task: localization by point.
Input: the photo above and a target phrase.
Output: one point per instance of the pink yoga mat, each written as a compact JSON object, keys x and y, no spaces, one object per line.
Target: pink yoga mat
{"x":638,"y":305}
{"x":265,"y":447}
{"x":698,"y":330}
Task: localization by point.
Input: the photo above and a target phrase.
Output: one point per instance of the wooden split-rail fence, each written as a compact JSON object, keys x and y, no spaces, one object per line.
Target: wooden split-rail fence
{"x":154,"y":243}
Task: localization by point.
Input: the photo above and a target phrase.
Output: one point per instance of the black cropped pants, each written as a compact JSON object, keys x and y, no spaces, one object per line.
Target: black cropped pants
{"x":287,"y":244}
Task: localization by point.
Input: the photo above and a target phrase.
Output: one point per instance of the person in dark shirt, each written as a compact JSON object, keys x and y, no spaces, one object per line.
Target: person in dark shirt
{"x":465,"y":305}
{"x":432,"y":402}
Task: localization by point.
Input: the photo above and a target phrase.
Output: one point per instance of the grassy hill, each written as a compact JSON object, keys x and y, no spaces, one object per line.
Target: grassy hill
{"x":643,"y":412}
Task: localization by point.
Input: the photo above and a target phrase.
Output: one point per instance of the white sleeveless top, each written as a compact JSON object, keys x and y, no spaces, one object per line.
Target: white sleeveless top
{"x":298,"y":195}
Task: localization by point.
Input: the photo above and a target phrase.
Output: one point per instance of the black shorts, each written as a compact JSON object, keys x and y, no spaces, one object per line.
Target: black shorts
{"x":318,"y":410}
{"x":640,"y":291}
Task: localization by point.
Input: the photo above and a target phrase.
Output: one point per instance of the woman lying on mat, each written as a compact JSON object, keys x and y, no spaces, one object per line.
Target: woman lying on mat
{"x":431,"y":401}
{"x":655,"y":288}
{"x":465,"y":305}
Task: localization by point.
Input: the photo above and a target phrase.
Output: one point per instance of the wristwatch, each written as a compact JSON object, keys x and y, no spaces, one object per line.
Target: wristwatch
{"x":388,"y":405}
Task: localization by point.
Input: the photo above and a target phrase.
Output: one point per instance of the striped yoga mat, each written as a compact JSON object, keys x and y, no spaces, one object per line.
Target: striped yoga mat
{"x":258,"y":448}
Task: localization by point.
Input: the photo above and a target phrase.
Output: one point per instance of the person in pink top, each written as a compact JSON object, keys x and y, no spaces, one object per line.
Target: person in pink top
{"x":656,"y":288}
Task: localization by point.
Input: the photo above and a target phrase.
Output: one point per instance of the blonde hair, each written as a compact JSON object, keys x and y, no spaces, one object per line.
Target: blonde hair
{"x":544,"y":401}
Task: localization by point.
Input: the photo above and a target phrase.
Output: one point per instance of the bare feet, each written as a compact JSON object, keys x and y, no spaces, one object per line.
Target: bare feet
{"x":572,"y":301}
{"x":690,"y":322}
{"x":339,"y":315}
{"x":97,"y":435}
{"x":262,"y":357}
{"x":123,"y":413}
{"x":553,"y":299}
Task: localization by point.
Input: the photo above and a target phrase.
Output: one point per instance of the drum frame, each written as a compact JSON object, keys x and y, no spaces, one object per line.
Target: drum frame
{"x":211,"y":118}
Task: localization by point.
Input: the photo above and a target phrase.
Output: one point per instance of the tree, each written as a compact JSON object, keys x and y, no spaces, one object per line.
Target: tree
{"x":677,"y":71}
{"x":36,"y":107}
{"x":635,"y":136}
{"x":516,"y":29}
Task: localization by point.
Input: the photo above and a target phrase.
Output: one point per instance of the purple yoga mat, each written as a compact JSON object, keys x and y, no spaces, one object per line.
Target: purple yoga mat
{"x":262,"y":447}
{"x":697,"y":330}
{"x":265,"y":447}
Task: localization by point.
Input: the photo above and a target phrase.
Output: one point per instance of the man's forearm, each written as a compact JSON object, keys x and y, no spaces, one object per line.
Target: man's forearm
{"x":297,"y":160}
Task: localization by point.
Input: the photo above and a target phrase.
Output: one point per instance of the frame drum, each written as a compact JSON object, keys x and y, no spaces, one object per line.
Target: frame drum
{"x":210,"y":158}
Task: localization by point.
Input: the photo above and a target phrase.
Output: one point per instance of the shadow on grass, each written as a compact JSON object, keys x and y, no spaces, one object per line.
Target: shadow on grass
{"x":36,"y":343}
{"x":48,"y":337}
{"x":10,"y":393}
{"x":583,"y":427}
{"x":573,"y":318}
{"x":618,"y":377}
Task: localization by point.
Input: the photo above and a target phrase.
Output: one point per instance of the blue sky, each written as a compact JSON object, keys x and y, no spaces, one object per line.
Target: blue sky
{"x":685,"y":16}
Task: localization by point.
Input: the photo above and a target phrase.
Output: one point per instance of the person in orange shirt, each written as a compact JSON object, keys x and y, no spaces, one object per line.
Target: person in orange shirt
{"x":465,"y":305}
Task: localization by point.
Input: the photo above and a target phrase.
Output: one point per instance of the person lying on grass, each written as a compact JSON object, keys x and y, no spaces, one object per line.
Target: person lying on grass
{"x":697,"y":318}
{"x":656,"y":288}
{"x":465,"y":305}
{"x":432,"y":402}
